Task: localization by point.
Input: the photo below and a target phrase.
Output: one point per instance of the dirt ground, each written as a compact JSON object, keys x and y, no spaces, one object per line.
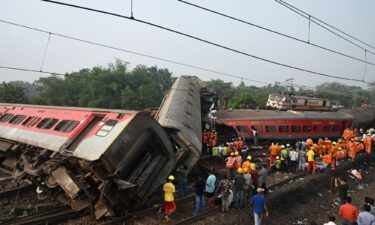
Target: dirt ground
{"x":308,"y":199}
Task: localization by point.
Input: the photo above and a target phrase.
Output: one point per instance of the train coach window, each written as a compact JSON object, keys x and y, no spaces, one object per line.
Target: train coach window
{"x":318,"y":128}
{"x":258,"y":128}
{"x":307,"y":128}
{"x":327,"y":128}
{"x":6,"y":117}
{"x":31,"y":121}
{"x":106,"y":128}
{"x":243,"y":128}
{"x":47,"y":123}
{"x":17,"y":119}
{"x":270,"y":128}
{"x":66,"y":126}
{"x":296,"y":128}
{"x":283,"y":128}
{"x":336,"y":128}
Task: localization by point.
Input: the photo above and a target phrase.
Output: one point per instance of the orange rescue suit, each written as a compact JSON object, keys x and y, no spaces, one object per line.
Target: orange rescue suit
{"x":230,"y":162}
{"x":368,"y":143}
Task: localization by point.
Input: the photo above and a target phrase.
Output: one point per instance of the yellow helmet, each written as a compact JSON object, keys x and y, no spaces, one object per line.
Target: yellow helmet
{"x":232,"y":153}
{"x":236,"y":153}
{"x":334,"y":143}
{"x":171,"y":177}
{"x":240,"y":170}
{"x":249,"y":157}
{"x":253,"y":166}
{"x":245,"y":170}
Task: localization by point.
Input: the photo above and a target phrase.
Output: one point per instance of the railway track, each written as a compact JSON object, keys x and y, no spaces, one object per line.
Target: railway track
{"x":49,"y":216}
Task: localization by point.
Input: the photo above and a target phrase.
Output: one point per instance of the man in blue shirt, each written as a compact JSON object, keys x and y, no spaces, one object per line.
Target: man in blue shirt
{"x":259,"y":206}
{"x":210,"y":189}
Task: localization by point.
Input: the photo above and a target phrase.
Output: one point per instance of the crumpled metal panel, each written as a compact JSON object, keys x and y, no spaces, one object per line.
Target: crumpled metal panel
{"x":66,"y":182}
{"x":181,"y":109}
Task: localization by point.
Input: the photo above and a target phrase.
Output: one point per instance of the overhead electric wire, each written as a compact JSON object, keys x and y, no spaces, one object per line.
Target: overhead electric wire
{"x":208,"y":42}
{"x":131,"y":52}
{"x":327,"y":24}
{"x":322,"y":26}
{"x":30,"y":70}
{"x":276,"y":32}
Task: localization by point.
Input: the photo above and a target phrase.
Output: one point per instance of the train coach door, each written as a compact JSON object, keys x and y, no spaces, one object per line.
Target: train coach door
{"x":83,"y":132}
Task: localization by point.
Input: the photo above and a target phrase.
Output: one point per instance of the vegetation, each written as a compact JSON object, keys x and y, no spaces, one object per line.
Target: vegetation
{"x":143,"y":87}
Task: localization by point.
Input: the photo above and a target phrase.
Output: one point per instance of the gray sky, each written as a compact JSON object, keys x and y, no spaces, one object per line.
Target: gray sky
{"x":24,"y":48}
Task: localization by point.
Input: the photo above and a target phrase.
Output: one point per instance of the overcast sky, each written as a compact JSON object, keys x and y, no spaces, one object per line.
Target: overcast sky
{"x":24,"y":48}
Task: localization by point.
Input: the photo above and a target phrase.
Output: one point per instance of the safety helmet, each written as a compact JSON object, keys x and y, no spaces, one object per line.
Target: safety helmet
{"x":315,"y":145}
{"x":249,"y":157}
{"x":334,"y":143}
{"x":282,"y":146}
{"x":236,"y":153}
{"x":232,"y":154}
{"x":171,"y":177}
{"x":287,"y":145}
{"x":240,"y":170}
{"x":245,"y":170}
{"x":253,"y":166}
{"x":277,"y":157}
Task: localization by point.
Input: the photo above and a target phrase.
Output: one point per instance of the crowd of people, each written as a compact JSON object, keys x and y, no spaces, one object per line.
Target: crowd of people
{"x":245,"y":185}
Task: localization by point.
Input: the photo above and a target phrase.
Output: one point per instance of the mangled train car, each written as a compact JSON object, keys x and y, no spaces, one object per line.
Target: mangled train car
{"x":106,"y":160}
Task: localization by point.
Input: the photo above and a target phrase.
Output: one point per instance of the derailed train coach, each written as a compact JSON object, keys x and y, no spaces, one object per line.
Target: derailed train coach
{"x":291,"y":125}
{"x":108,"y":160}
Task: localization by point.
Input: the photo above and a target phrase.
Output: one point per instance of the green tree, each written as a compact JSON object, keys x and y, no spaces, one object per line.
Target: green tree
{"x":12,"y":93}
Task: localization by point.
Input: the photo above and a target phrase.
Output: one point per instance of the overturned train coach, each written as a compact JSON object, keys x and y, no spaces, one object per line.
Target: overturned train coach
{"x":105,"y":160}
{"x":291,"y":125}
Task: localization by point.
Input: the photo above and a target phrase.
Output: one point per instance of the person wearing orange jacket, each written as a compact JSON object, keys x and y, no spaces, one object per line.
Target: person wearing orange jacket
{"x":352,"y":149}
{"x":229,"y":165}
{"x":368,"y":143}
{"x":327,"y":145}
{"x":309,"y":142}
{"x":247,"y":163}
{"x":333,"y":154}
{"x":204,"y":137}
{"x":346,"y":134}
{"x":273,"y":153}
{"x":238,"y":160}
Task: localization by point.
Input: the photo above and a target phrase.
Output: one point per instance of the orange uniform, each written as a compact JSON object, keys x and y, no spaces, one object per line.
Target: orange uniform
{"x":246,"y":164}
{"x":309,"y":142}
{"x":368,"y":143}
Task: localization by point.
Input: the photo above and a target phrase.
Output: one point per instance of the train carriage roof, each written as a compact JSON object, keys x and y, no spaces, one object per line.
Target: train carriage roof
{"x":253,"y":114}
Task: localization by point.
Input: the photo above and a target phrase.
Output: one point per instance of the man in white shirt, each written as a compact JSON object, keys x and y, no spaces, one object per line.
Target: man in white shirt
{"x":332,"y":219}
{"x":365,"y":217}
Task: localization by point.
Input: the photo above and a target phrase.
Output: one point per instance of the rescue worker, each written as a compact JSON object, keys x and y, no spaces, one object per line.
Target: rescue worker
{"x":346,"y":134}
{"x":229,"y":165}
{"x":238,"y":188}
{"x":309,"y":142}
{"x":352,"y":149}
{"x":247,"y":164}
{"x":238,"y":160}
{"x":278,"y":164}
{"x":368,"y":143}
{"x":327,"y":146}
{"x":225,"y":151}
{"x":169,"y":204}
{"x":320,"y":147}
{"x":284,"y":158}
{"x":333,"y":155}
{"x":310,"y":160}
{"x":273,"y":148}
{"x":236,"y":145}
{"x":204,"y":137}
{"x":215,"y":151}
